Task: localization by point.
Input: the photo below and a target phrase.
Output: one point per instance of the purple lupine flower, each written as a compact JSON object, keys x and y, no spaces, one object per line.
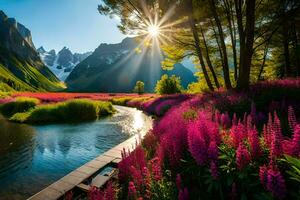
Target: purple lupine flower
{"x":131,"y":189}
{"x":242,"y":157}
{"x":110,"y":193}
{"x":156,"y":168}
{"x":225,"y":120}
{"x":291,"y":117}
{"x":183,"y":194}
{"x":254,"y":143}
{"x":213,"y":151}
{"x":263,"y":175}
{"x":234,"y":120}
{"x":197,"y":145}
{"x":277,"y":127}
{"x":276,"y":148}
{"x":276,"y":183}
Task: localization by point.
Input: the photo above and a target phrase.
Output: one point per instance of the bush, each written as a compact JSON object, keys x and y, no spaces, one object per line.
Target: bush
{"x":21,"y":104}
{"x":70,"y":111}
{"x":139,"y":87}
{"x":168,"y":85}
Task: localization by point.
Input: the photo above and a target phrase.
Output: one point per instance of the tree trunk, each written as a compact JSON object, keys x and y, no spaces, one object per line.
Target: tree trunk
{"x":248,"y":36}
{"x":228,"y":9}
{"x":223,"y":46}
{"x":197,"y":44}
{"x":207,"y":57}
{"x":263,"y":63}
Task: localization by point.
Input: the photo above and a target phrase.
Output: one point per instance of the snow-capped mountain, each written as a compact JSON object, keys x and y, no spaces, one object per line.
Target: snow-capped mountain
{"x":63,"y":62}
{"x":117,"y":67}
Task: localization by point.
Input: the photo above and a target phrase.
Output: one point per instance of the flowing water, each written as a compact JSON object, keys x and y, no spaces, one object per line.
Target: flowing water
{"x":33,"y":157}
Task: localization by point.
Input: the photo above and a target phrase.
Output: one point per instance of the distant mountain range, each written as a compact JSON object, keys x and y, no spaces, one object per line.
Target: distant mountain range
{"x":20,"y":65}
{"x":117,"y":67}
{"x":110,"y":68}
{"x":62,"y":63}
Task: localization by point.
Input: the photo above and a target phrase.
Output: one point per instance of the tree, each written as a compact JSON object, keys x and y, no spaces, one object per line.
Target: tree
{"x":139,"y":87}
{"x":168,"y":85}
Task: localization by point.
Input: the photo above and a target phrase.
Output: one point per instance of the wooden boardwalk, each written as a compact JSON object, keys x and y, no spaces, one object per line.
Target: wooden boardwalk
{"x":85,"y":172}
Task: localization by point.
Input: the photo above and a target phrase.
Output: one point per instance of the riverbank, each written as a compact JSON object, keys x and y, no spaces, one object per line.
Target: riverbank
{"x":30,"y":111}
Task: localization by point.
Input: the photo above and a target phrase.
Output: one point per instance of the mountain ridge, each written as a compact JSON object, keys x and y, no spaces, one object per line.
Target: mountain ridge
{"x":20,"y":65}
{"x":116,"y":68}
{"x":63,"y":62}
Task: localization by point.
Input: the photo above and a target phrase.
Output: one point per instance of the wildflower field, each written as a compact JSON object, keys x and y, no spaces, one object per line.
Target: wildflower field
{"x":221,"y":145}
{"x":215,"y":145}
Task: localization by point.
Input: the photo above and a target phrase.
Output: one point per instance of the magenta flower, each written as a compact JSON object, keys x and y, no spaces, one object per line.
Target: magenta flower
{"x":225,"y":120}
{"x":254,"y":143}
{"x":242,"y":157}
{"x":183,"y":194}
{"x":156,"y":168}
{"x":213,"y":151}
{"x":276,"y":183}
{"x":131,"y":189}
{"x":196,"y":144}
{"x":263,"y":175}
{"x":110,"y":192}
{"x":291,"y":117}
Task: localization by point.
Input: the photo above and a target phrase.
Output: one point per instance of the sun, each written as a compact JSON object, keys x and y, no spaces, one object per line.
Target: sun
{"x":153,"y":30}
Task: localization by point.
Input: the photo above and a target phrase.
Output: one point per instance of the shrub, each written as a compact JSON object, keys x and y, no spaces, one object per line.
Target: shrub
{"x":168,"y":85}
{"x":77,"y":110}
{"x":139,"y":87}
{"x":21,"y":104}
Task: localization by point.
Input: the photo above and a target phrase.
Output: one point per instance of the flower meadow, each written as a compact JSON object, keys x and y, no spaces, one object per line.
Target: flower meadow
{"x":206,"y":147}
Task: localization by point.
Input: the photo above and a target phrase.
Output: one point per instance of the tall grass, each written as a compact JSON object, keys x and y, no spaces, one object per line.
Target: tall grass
{"x":77,"y":110}
{"x":21,"y":104}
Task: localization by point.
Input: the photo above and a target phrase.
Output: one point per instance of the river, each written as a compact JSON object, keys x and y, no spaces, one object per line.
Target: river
{"x":33,"y":157}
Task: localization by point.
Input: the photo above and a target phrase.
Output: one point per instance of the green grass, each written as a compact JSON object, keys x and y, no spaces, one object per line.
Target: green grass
{"x":71,"y":111}
{"x":121,"y":101}
{"x":21,"y":104}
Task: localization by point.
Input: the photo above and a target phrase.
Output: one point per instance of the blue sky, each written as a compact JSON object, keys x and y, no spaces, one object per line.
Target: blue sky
{"x":58,"y":23}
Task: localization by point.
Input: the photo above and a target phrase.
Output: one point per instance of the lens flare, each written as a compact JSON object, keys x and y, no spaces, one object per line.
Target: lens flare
{"x":153,"y":30}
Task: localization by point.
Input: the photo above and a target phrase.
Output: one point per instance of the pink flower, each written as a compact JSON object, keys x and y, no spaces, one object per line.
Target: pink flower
{"x":242,"y":157}
{"x":95,"y":194}
{"x":131,"y":189}
{"x":225,"y":120}
{"x":197,"y":145}
{"x":213,"y":151}
{"x":237,"y":134}
{"x":156,"y":168}
{"x":110,"y":193}
{"x":254,"y":143}
{"x":183,"y":194}
{"x":276,"y":183}
{"x":291,"y":117}
{"x":263,"y":175}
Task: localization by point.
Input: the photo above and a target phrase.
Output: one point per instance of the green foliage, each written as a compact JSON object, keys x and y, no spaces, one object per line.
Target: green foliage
{"x":22,"y":104}
{"x":121,"y":101}
{"x":77,"y":110}
{"x":168,"y":85}
{"x":139,"y":87}
{"x":294,"y":165}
